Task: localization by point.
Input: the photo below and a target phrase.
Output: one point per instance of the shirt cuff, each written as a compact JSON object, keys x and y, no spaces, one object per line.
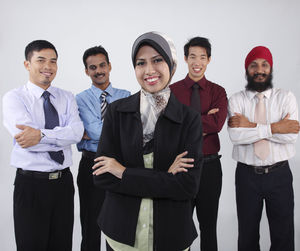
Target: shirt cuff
{"x":46,"y":139}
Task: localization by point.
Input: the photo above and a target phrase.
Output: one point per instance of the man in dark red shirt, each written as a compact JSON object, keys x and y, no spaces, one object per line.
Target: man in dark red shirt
{"x":213,"y":107}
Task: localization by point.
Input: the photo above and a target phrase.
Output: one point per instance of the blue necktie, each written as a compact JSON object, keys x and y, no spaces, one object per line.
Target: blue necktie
{"x":51,"y":121}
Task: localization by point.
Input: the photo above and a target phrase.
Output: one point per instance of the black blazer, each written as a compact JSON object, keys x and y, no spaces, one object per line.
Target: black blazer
{"x":178,"y":129}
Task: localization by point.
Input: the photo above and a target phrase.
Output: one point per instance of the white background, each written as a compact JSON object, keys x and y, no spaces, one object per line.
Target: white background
{"x":233,"y":27}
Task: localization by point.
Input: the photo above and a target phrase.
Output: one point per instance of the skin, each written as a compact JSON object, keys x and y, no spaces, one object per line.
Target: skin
{"x":98,"y":69}
{"x":152,"y":73}
{"x":286,"y":125}
{"x":42,"y":68}
{"x":197,"y":61}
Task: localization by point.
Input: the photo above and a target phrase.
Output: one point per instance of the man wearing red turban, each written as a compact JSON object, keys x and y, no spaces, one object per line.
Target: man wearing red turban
{"x":263,"y":127}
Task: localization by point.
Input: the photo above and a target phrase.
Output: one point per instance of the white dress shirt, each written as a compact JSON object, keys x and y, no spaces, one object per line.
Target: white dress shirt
{"x":24,"y":106}
{"x":278,"y":103}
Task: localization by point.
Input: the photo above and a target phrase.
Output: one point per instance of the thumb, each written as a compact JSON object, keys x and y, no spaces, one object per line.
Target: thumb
{"x":21,"y":127}
{"x":287,"y":116}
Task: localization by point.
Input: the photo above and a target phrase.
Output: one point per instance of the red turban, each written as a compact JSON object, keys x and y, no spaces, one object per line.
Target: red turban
{"x":259,"y":52}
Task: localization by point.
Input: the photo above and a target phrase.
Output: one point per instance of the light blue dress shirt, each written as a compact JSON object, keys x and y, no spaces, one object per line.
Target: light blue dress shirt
{"x":24,"y":106}
{"x":89,"y":105}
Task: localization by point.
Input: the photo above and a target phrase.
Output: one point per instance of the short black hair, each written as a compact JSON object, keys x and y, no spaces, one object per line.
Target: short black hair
{"x":38,"y":45}
{"x":94,"y":51}
{"x":198,"y":41}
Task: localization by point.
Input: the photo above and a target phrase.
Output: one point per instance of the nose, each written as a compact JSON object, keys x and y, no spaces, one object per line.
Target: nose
{"x":150,"y":68}
{"x":260,"y":69}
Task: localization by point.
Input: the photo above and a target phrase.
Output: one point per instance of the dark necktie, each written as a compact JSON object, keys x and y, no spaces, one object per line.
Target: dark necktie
{"x":51,"y":121}
{"x":195,"y":98}
{"x":103,"y":104}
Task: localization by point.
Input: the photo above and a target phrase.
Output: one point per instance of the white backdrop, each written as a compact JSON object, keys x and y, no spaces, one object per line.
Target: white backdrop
{"x":233,"y":27}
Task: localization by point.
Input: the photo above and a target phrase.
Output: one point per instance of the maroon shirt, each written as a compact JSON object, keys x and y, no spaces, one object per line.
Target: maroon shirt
{"x":212,"y":96}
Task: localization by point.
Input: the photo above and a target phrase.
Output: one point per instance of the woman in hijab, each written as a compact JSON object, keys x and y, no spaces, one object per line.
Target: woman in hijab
{"x":149,"y":159}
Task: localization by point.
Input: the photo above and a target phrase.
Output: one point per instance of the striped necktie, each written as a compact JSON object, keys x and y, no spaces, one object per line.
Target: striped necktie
{"x":103,"y":104}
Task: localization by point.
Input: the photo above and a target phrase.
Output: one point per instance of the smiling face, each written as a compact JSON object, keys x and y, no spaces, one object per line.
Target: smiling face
{"x":197,"y":61}
{"x":42,"y":67}
{"x":259,"y":69}
{"x":151,"y":70}
{"x":98,"y":70}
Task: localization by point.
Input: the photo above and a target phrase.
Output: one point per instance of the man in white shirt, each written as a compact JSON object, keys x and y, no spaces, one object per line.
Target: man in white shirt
{"x":263,"y":127}
{"x":44,"y":122}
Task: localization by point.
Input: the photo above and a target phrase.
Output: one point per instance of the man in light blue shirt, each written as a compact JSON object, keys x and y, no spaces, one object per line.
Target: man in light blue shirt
{"x":44,"y":122}
{"x":92,"y":105}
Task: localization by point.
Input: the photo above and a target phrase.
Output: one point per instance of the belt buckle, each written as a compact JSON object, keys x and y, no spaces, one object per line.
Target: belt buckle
{"x":260,"y":170}
{"x":54,"y":176}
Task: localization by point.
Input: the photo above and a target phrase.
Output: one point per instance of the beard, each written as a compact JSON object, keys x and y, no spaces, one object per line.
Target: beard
{"x":252,"y":85}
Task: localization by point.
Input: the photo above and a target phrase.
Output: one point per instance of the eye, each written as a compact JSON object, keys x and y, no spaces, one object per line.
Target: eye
{"x":140,"y":63}
{"x":92,"y":67}
{"x":158,"y":60}
{"x":53,"y":61}
{"x":102,"y":65}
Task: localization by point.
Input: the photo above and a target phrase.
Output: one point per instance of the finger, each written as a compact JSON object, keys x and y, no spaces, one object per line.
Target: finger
{"x":237,"y":114}
{"x":186,"y":165}
{"x":187,"y":160}
{"x":182,"y":155}
{"x":21,"y":127}
{"x":99,"y":158}
{"x":98,"y":164}
{"x":100,"y":171}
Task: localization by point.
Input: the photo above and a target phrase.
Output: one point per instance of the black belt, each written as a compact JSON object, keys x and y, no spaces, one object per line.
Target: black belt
{"x":210,"y":157}
{"x":266,"y":169}
{"x":44,"y":175}
{"x":88,"y":154}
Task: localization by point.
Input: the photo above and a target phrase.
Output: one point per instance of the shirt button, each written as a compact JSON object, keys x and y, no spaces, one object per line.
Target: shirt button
{"x":144,"y":225}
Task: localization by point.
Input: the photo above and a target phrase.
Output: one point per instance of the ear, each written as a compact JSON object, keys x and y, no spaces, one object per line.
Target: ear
{"x":209,"y":60}
{"x":86,"y":71}
{"x":27,"y":65}
{"x":109,"y":67}
{"x":185,"y":59}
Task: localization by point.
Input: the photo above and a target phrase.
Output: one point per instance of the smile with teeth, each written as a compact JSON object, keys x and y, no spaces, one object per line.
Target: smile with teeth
{"x":152,"y":80}
{"x":197,"y":70}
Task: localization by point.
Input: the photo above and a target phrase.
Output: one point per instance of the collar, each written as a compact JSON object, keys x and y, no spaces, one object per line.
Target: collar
{"x":173,"y":109}
{"x":97,"y":91}
{"x":38,"y":91}
{"x":189,"y":82}
{"x":251,"y":94}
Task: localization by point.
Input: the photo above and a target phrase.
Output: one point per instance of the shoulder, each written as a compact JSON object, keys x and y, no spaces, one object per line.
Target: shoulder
{"x":177,"y":85}
{"x":82,"y":95}
{"x":15,"y":93}
{"x":63,"y":93}
{"x":216,"y":87}
{"x":121,"y":92}
{"x":238,"y":96}
{"x":283,"y":95}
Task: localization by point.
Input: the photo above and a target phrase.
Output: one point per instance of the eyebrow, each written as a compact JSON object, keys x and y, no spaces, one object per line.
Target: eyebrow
{"x":40,"y":57}
{"x":158,"y":55}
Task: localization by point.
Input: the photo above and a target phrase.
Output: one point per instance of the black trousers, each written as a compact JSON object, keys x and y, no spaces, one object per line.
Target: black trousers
{"x":207,"y":203}
{"x":276,"y":190}
{"x":44,"y":213}
{"x":91,"y":199}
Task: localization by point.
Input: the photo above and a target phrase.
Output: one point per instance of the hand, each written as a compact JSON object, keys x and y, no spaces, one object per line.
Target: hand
{"x":213,"y":111}
{"x":285,"y":125}
{"x":108,"y":165}
{"x":85,"y":136}
{"x":180,"y":164}
{"x":239,"y":120}
{"x":28,"y":137}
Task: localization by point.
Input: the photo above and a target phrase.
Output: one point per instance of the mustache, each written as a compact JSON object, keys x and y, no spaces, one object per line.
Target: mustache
{"x":260,"y":74}
{"x":99,"y":74}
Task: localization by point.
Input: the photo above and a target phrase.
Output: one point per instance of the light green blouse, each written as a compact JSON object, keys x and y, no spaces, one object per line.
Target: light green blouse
{"x":144,"y":229}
